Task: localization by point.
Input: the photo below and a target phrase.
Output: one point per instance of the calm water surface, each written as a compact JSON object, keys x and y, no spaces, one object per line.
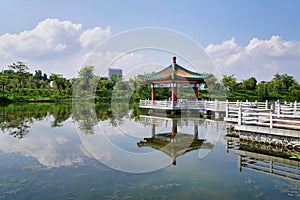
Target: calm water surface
{"x":57,"y":151}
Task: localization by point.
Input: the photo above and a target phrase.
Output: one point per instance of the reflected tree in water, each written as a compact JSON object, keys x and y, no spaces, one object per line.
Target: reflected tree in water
{"x":60,"y":113}
{"x":84,"y":114}
{"x":15,"y":121}
{"x":17,"y":118}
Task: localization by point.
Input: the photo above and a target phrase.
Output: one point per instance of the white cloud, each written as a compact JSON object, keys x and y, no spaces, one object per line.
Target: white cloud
{"x":52,"y":42}
{"x":93,"y":36}
{"x":259,"y":58}
{"x":50,"y":37}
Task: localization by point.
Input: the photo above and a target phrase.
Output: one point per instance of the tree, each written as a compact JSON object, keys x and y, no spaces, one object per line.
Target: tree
{"x":20,"y":67}
{"x":103,"y":83}
{"x":229,"y":82}
{"x":262,"y":91}
{"x":60,"y":82}
{"x":3,"y":81}
{"x":21,"y":72}
{"x":45,"y":78}
{"x":88,"y":80}
{"x":38,"y":75}
{"x":249,"y":84}
{"x":287,"y":81}
{"x":282,"y":81}
{"x":115,"y":78}
{"x":213,"y":84}
{"x":294,"y":92}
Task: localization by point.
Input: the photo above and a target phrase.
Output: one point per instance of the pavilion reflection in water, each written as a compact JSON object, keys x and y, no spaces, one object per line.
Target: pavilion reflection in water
{"x":280,"y":162}
{"x":173,"y":143}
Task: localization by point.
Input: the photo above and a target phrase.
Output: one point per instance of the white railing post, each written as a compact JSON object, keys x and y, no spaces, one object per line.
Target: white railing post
{"x":295,"y":107}
{"x":216,"y":104}
{"x":205,"y":104}
{"x":271,"y":119}
{"x":278,"y":110}
{"x":272,"y":108}
{"x":240,"y":116}
{"x":256,"y":104}
{"x":266,"y":106}
{"x":227,"y":109}
{"x":237,"y":103}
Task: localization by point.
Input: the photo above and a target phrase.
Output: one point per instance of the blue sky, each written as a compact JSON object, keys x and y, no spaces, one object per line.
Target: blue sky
{"x":224,"y":28}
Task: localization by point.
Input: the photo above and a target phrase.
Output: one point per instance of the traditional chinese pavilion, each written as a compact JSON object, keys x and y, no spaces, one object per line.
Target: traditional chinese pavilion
{"x":175,"y":76}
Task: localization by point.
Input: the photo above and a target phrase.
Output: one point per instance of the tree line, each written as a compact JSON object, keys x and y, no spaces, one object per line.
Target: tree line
{"x":281,"y":87}
{"x":18,"y":84}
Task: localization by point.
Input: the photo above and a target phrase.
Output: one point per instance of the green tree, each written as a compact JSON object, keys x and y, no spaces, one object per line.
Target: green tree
{"x":45,"y":77}
{"x":282,"y":82}
{"x":213,"y":84}
{"x":229,"y":82}
{"x":294,"y":92}
{"x":88,"y":80}
{"x":38,"y":75}
{"x":21,"y":72}
{"x":287,"y":81}
{"x":262,"y":91}
{"x":3,"y":82}
{"x":60,"y":82}
{"x":249,"y":84}
{"x":115,"y":78}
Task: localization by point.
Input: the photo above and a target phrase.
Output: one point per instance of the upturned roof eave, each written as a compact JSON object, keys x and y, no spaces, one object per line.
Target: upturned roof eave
{"x":169,"y":78}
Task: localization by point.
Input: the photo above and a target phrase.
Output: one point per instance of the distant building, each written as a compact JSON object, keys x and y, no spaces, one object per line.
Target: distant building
{"x":112,"y":71}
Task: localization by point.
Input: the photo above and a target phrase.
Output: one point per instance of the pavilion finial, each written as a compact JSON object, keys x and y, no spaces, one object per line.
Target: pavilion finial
{"x":174,"y":59}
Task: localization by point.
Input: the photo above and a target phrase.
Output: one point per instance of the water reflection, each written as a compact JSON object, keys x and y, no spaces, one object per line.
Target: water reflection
{"x":173,"y":143}
{"x":262,"y":158}
{"x":16,"y":119}
{"x":55,"y":157}
{"x":114,"y":140}
{"x":44,"y":132}
{"x":107,"y":132}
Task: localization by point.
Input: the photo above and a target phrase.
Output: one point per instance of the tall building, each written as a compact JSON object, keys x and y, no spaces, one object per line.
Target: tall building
{"x":112,"y":71}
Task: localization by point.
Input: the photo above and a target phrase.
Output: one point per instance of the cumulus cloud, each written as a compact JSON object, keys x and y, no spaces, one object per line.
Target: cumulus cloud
{"x":51,"y":41}
{"x":259,"y":58}
{"x":49,"y":37}
{"x":93,"y":36}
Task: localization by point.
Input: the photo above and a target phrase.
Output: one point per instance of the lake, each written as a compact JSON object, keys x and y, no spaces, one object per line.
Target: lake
{"x":112,"y":151}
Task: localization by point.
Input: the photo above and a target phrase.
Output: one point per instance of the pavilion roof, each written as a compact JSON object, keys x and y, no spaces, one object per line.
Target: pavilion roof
{"x":175,"y":72}
{"x":184,"y":144}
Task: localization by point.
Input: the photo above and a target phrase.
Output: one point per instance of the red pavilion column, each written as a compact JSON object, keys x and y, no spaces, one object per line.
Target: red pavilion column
{"x":174,"y":128}
{"x":196,"y":93}
{"x":153,"y":129}
{"x":174,"y":93}
{"x":196,"y":131}
{"x":152,"y":93}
